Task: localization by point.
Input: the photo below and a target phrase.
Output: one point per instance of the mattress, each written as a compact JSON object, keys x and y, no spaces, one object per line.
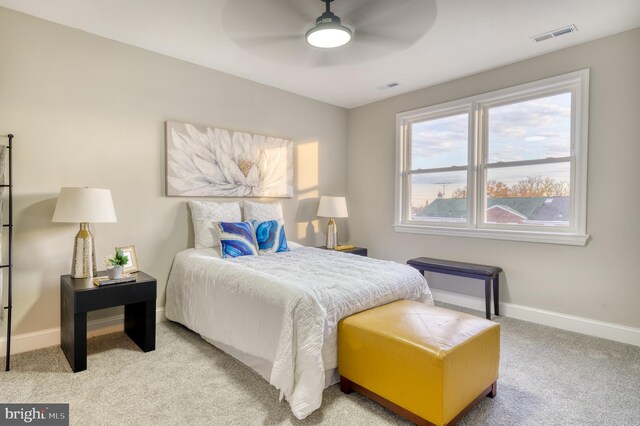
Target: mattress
{"x":280,"y":311}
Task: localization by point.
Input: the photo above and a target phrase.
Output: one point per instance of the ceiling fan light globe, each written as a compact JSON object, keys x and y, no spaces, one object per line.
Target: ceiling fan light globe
{"x":327,"y":36}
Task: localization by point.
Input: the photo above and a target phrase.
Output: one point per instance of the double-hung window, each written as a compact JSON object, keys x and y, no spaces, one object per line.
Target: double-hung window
{"x":509,"y":164}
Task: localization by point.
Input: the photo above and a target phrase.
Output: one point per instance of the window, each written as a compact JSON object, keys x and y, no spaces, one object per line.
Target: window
{"x":509,"y":164}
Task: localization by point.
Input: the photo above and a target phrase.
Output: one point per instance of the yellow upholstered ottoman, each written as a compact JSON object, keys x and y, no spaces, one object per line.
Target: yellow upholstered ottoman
{"x":428,"y":364}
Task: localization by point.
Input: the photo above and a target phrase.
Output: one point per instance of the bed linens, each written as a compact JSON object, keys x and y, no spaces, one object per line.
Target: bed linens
{"x":285,"y":307}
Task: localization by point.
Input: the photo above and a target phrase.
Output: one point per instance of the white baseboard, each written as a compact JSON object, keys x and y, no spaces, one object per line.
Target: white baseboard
{"x":51,"y":337}
{"x":606,"y":330}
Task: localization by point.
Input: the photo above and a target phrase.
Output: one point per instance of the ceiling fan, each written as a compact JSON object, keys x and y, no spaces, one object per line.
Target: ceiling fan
{"x":358,"y":30}
{"x":328,"y":31}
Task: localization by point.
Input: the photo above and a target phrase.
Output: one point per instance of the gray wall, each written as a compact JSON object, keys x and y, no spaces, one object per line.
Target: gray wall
{"x":598,"y":281}
{"x":87,"y":111}
{"x":90,"y":111}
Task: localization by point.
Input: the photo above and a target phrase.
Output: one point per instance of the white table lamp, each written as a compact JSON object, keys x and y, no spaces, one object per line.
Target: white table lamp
{"x":84,"y":206}
{"x":332,"y":207}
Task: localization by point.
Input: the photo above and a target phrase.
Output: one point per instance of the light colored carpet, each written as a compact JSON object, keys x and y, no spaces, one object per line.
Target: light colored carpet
{"x":547,"y":377}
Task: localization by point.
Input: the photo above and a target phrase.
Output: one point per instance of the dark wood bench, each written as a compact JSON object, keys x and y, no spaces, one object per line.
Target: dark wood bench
{"x":489,"y":274}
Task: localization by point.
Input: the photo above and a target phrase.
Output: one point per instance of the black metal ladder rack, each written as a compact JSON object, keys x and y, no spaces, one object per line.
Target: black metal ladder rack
{"x":9,"y":265}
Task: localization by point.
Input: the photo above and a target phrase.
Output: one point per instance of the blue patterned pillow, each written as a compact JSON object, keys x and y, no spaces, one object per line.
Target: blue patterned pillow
{"x":236,"y":239}
{"x":270,"y":236}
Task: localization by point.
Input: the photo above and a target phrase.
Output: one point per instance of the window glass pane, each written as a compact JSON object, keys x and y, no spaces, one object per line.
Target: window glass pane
{"x":439,"y":197}
{"x":529,"y":195}
{"x":535,"y":129}
{"x":441,"y":142}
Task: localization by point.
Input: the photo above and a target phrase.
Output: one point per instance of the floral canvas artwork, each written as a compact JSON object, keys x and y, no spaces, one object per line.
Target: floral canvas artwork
{"x":210,"y":162}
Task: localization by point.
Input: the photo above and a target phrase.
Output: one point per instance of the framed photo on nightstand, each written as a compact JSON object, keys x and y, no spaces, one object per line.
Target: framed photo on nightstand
{"x":132,"y":264}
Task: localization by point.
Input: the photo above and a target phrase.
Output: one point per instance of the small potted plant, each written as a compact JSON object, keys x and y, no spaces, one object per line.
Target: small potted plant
{"x":115,"y":263}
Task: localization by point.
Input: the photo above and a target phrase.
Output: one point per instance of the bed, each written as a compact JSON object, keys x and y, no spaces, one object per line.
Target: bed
{"x":278,"y":313}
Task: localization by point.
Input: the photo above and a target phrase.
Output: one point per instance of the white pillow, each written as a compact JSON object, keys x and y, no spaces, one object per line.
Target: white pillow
{"x":293,"y":245}
{"x":262,"y":211}
{"x":205,"y":213}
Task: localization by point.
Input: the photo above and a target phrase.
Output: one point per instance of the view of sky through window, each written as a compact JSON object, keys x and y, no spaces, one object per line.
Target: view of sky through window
{"x":536,"y":129}
{"x":529,"y":130}
{"x":442,"y":142}
{"x":438,"y":143}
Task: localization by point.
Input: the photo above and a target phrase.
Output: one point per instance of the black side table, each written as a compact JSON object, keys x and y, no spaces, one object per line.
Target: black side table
{"x":361,"y":251}
{"x":79,"y":296}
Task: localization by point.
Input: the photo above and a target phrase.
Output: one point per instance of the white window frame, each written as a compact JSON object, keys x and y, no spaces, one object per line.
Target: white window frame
{"x":578,"y":84}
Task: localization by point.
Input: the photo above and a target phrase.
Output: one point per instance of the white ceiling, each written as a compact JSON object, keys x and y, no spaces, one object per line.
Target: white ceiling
{"x":466,"y":37}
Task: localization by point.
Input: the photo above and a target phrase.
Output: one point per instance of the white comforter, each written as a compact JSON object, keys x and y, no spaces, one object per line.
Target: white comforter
{"x":285,"y":307}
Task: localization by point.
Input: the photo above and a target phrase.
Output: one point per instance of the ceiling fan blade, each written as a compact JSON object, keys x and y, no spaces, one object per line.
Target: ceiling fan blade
{"x":389,"y":40}
{"x":258,"y":41}
{"x":357,"y":12}
{"x":404,"y":24}
{"x":322,"y":60}
{"x":258,"y":17}
{"x":306,"y":11}
{"x":344,"y":8}
{"x":360,"y":12}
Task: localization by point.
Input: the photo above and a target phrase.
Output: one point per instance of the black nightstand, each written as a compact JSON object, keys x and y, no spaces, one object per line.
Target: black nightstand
{"x":361,"y":251}
{"x":79,"y":296}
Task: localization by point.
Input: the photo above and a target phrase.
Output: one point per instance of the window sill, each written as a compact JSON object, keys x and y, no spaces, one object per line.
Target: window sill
{"x":495,"y":234}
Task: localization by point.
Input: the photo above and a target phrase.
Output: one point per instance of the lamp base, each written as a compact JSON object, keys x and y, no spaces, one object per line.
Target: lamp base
{"x":84,"y":254}
{"x":332,"y":234}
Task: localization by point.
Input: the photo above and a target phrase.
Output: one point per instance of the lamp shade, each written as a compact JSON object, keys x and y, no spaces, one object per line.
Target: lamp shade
{"x":332,"y":207}
{"x":328,"y":36}
{"x":328,"y":31}
{"x":80,"y":205}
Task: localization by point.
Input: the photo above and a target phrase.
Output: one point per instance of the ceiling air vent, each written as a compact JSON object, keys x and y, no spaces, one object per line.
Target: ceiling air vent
{"x":388,"y":85}
{"x":555,"y":33}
